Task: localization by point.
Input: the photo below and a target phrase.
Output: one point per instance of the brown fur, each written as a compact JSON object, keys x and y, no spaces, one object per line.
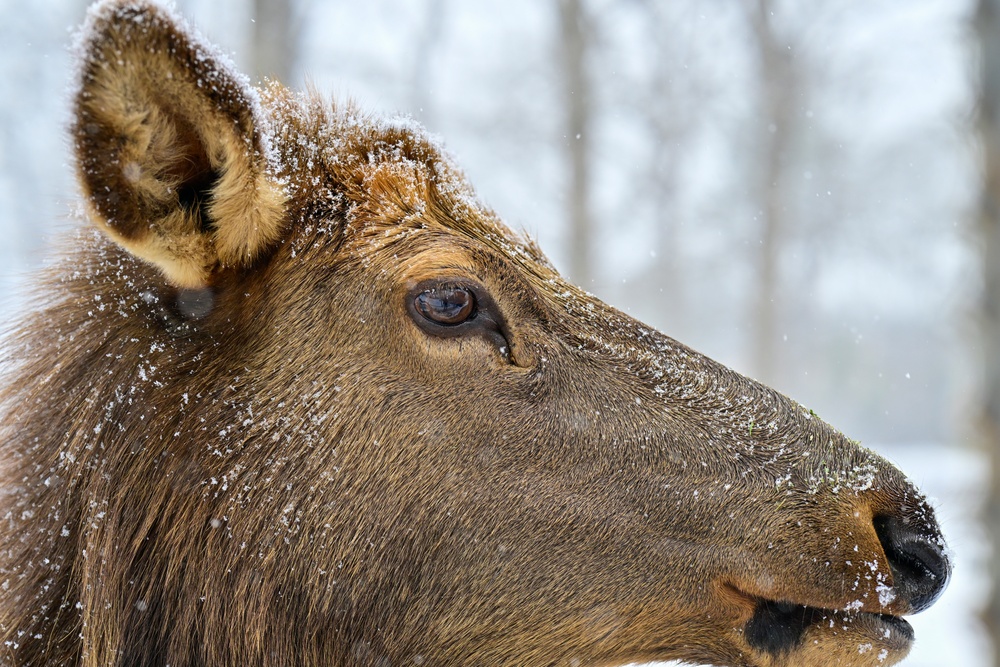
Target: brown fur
{"x":292,"y":472}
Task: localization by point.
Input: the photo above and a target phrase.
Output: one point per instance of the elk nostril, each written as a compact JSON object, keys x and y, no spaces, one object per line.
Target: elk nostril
{"x":920,"y":568}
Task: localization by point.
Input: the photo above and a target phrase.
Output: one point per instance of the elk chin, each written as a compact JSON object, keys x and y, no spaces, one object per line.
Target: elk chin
{"x":787,"y":635}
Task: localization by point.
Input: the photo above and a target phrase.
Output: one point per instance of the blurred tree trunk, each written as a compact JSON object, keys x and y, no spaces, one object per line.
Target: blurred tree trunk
{"x":987,"y":23}
{"x":275,"y":40}
{"x":777,"y":89}
{"x":667,"y":275}
{"x":669,"y":122}
{"x":576,"y":91}
{"x":428,"y":40}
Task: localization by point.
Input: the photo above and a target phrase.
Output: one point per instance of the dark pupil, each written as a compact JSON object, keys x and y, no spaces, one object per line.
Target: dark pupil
{"x":446,"y":305}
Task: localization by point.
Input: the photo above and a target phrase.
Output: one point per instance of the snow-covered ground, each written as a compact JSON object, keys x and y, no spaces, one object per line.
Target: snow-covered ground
{"x":949,"y":634}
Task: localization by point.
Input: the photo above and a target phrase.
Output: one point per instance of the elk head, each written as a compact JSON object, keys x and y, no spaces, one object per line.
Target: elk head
{"x":372,"y":425}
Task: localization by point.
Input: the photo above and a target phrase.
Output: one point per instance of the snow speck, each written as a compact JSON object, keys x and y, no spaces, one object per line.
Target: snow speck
{"x":885,"y":593}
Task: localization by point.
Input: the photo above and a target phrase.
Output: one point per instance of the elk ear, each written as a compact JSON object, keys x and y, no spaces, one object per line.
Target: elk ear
{"x":170,"y":147}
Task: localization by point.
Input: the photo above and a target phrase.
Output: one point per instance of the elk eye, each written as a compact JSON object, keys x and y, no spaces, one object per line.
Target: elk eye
{"x":449,"y":306}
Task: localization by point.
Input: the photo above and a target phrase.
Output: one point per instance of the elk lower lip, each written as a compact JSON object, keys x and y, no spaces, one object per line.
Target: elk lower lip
{"x":898,"y":624}
{"x":778,"y":627}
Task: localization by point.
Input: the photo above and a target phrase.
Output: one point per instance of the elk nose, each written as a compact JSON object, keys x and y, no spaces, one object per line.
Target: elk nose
{"x":920,"y":568}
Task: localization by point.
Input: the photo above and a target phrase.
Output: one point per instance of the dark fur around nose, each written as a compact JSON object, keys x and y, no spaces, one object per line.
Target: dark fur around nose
{"x":920,"y":568}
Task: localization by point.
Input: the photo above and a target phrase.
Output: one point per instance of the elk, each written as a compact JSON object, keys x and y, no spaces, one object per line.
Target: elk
{"x":294,"y":396}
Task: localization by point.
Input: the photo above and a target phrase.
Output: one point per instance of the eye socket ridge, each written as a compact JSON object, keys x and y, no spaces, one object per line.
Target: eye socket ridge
{"x":453,"y":307}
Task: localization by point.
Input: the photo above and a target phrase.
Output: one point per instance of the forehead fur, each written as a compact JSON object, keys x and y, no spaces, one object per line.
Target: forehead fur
{"x":388,"y":177}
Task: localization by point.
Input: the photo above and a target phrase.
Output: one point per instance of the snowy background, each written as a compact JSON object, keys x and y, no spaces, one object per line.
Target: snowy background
{"x":868,"y":311}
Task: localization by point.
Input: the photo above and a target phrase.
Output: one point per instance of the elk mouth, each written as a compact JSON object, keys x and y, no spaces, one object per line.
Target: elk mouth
{"x":780,"y":629}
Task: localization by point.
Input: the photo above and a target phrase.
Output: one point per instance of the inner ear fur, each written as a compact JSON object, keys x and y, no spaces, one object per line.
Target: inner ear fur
{"x":169,"y":146}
